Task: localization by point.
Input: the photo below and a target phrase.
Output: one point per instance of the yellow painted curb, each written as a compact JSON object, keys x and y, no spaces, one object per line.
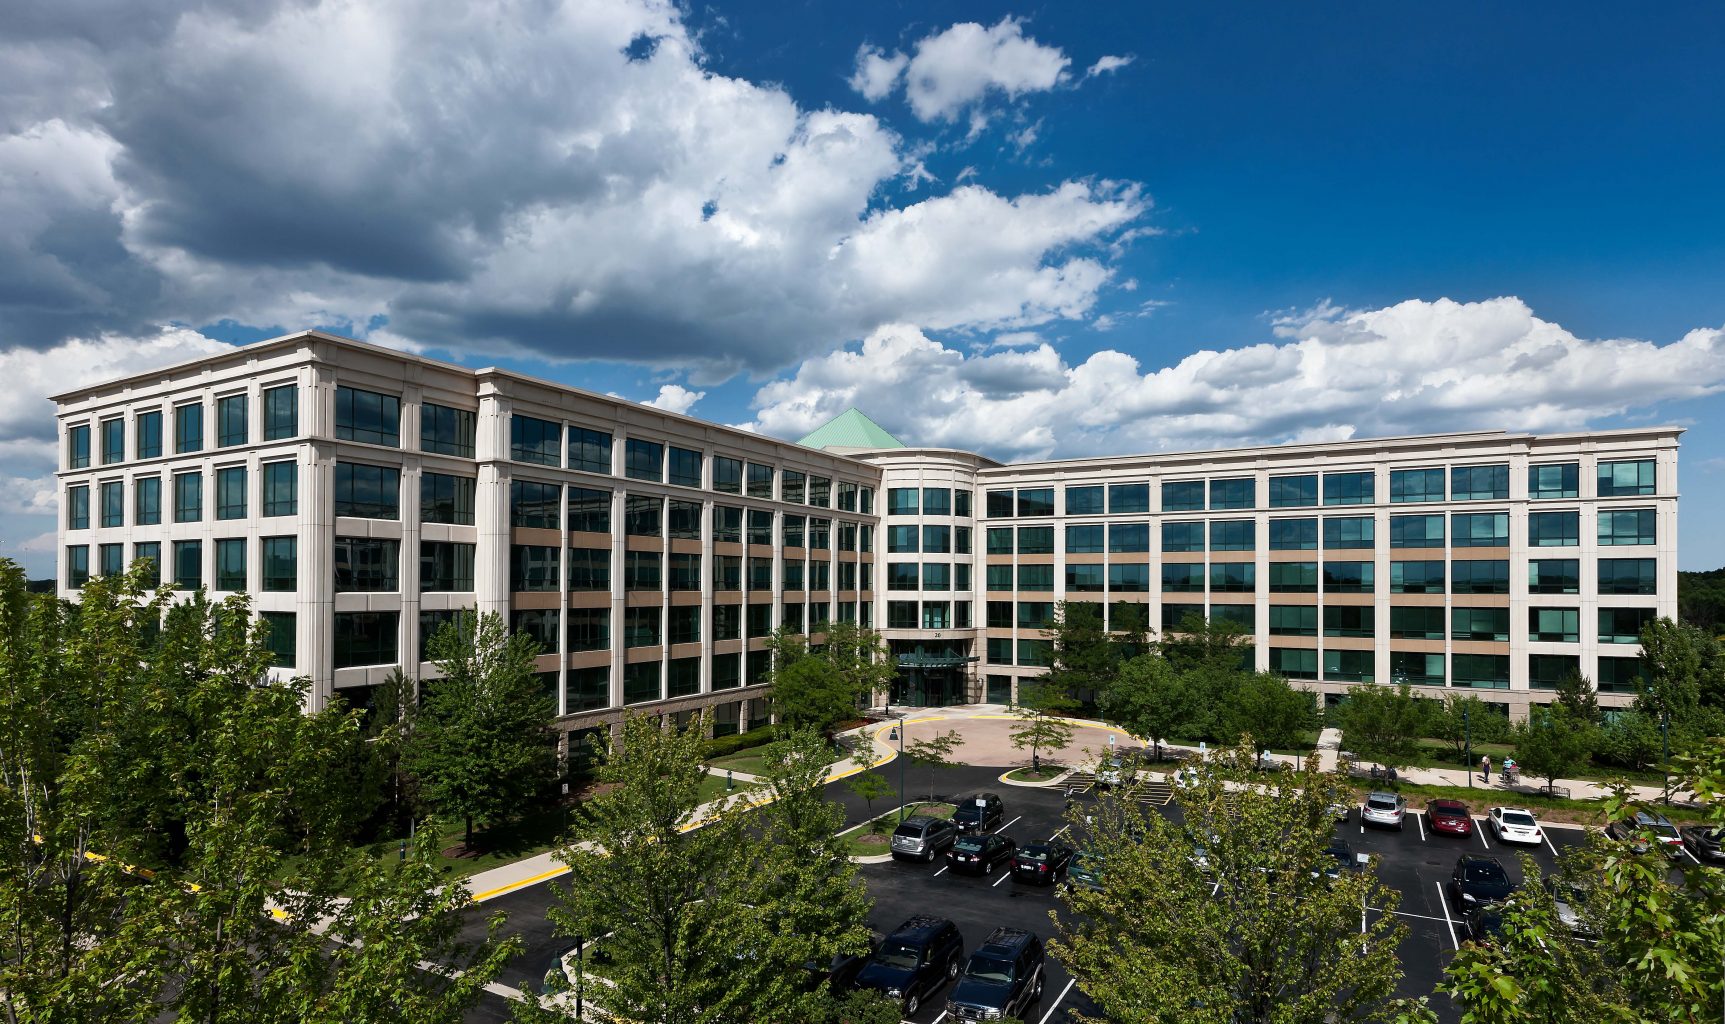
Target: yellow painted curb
{"x":1079,"y":722}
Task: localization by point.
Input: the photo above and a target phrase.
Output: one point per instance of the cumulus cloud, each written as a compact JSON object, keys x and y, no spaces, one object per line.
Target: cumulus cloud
{"x":1107,"y":63}
{"x":955,"y":69}
{"x":675,"y":398}
{"x":1331,"y":374}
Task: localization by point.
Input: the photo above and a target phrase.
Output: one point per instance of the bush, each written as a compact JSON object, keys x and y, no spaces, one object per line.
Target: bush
{"x":722,"y":745}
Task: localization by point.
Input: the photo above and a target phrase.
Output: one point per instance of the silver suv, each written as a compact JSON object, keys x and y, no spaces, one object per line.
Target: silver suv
{"x":1386,"y":809}
{"x":923,"y":838}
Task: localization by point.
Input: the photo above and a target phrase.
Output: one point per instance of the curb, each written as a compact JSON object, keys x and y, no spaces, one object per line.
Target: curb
{"x":1057,"y":780}
{"x":873,"y":858}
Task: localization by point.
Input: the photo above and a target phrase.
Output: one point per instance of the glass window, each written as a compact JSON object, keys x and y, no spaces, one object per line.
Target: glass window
{"x":1348,"y":577}
{"x":1293,"y":535}
{"x":1627,"y":576}
{"x":901,"y":614}
{"x":1293,"y":577}
{"x":961,"y":504}
{"x":114,"y":503}
{"x":1416,"y":485}
{"x":1479,"y":576}
{"x":1484,"y":671}
{"x":903,"y":539}
{"x":230,"y":421}
{"x":643,"y":515}
{"x":231,"y":564}
{"x":1621,"y":675}
{"x":1084,"y":501}
{"x":727,"y":525}
{"x":589,"y":629}
{"x":793,"y":486}
{"x":685,"y":467}
{"x":936,"y":576}
{"x":1183,"y":496}
{"x":1293,"y":491}
{"x":1084,"y":540}
{"x":760,"y":481}
{"x":590,"y":451}
{"x":1348,"y":488}
{"x":641,"y":681}
{"x":111,"y":559}
{"x":937,"y":501}
{"x":1243,"y":615}
{"x":1182,"y":536}
{"x":1035,"y":615}
{"x":1480,"y":530}
{"x":188,"y":497}
{"x":149,"y":431}
{"x":999,"y":540}
{"x":820,"y":492}
{"x":1416,"y":577}
{"x":1233,"y":535}
{"x":589,"y":689}
{"x":147,"y":500}
{"x":1036,"y":577}
{"x":446,"y":499}
{"x":1348,"y":666}
{"x":1628,"y":526}
{"x":1554,"y":625}
{"x":1131,"y":578}
{"x":1416,"y":531}
{"x":1000,"y":577}
{"x":1624,"y":625}
{"x":642,"y":570}
{"x":1626,"y":478}
{"x":1086,"y":578}
{"x":760,"y":624}
{"x":367,"y":564}
{"x":1233,"y":577}
{"x":1562,"y":480}
{"x":446,"y":566}
{"x":1128,"y":538}
{"x":280,"y":557}
{"x":1237,"y":493}
{"x":1416,"y":623}
{"x":151,"y":551}
{"x":78,"y":565}
{"x":534,"y":503}
{"x":1036,"y":540}
{"x":231,"y":493}
{"x":902,"y":576}
{"x":533,"y":568}
{"x":1035,"y":501}
{"x":590,"y":569}
{"x":538,"y":623}
{"x":685,"y":571}
{"x":1293,"y":620}
{"x":1554,"y":576}
{"x":936,"y":615}
{"x":727,"y":475}
{"x":1182,"y":578}
{"x":188,"y":429}
{"x":1128,"y":499}
{"x":1351,"y":532}
{"x":937,"y":540}
{"x":281,"y":413}
{"x":760,"y":526}
{"x":848,"y":496}
{"x":999,"y":505}
{"x":1546,"y":671}
{"x":535,"y":440}
{"x":684,"y":627}
{"x":683,"y":520}
{"x":1488,"y":624}
{"x":281,"y":489}
{"x":1416,"y":668}
{"x":1294,"y":663}
{"x":113,"y":441}
{"x":1479,"y":483}
{"x":1553,"y":529}
{"x":367,"y":492}
{"x":902,"y":501}
{"x":446,"y":431}
{"x":644,"y":460}
{"x":589,"y":510}
{"x":78,"y":448}
{"x":791,"y":529}
{"x":365,"y":638}
{"x":367,"y":416}
{"x":282,"y":640}
{"x":188,"y":564}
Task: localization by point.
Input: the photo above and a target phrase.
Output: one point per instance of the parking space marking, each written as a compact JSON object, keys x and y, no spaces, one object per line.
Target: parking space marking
{"x":1062,"y":997}
{"x":942,"y":870}
{"x":1444,"y":903}
{"x":1548,"y":844}
{"x":1420,"y":820}
{"x":1063,"y":830}
{"x":1480,"y":831}
{"x":940,"y":1018}
{"x":1686,"y":853}
{"x":1002,"y":829}
{"x":1002,"y":878}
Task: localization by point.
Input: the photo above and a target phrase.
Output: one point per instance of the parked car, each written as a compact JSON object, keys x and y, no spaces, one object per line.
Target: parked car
{"x":1085,"y":871}
{"x":981,"y":813}
{"x":1645,"y":830}
{"x":914,"y":961}
{"x":1515,"y":825}
{"x":1384,"y":809}
{"x":1186,"y":778}
{"x":1568,"y":900}
{"x":1003,"y":978}
{"x":1042,"y":863}
{"x":1119,"y":769}
{"x":1706,"y":843}
{"x":840,"y":973}
{"x":1449,"y":817}
{"x":1338,"y":858}
{"x":1478,"y":879}
{"x":1482,"y":922}
{"x":1339,"y":811}
{"x":923,"y":838}
{"x":978,"y":853}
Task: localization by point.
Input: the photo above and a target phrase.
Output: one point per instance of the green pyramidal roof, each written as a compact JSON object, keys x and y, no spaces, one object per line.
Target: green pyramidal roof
{"x":850,"y":429}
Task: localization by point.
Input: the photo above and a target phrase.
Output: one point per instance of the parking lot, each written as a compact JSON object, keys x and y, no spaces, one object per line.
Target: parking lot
{"x":1415,"y":862}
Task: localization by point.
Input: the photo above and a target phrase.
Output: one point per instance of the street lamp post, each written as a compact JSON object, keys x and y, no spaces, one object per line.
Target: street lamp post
{"x":1665,"y":752}
{"x":579,"y":972}
{"x":1467,"y":743}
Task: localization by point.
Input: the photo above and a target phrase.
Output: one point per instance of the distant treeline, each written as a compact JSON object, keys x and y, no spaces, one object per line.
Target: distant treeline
{"x":1701,"y":599}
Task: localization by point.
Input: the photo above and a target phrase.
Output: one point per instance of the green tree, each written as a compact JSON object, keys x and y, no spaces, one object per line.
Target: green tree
{"x":1383,"y":724}
{"x":861,"y":657}
{"x":481,"y":746}
{"x":935,"y":752}
{"x":1685,"y":677}
{"x":1576,"y":692}
{"x":1553,"y":742}
{"x":1630,"y":740}
{"x":1083,"y":656}
{"x":1260,"y":934}
{"x":1041,"y":722}
{"x":819,"y":688}
{"x":869,"y":786}
{"x":1214,"y":659}
{"x":1269,"y":709}
{"x":1131,"y":629}
{"x":1461,"y":719}
{"x":1150,"y":700}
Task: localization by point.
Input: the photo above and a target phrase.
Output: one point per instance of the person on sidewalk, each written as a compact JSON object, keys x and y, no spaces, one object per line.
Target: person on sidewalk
{"x":1485,"y":768}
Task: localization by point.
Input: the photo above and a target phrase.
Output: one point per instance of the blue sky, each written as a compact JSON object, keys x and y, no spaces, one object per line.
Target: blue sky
{"x":1134,"y":226}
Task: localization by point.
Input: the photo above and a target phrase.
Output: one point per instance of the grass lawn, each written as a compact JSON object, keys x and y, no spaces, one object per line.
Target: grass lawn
{"x":1441,"y":754}
{"x":713,"y":788}
{"x":750,"y":762}
{"x":874,"y":837}
{"x":1049,"y":771}
{"x":533,"y":834}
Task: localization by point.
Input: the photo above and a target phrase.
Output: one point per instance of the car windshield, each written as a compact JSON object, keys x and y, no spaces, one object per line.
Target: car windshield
{"x":897,"y":954}
{"x":985,"y":968}
{"x":1520,"y":819}
{"x":969,"y":811}
{"x":1447,"y":811}
{"x":1381,"y":803}
{"x":1485,"y":872}
{"x":1663,"y":828}
{"x":1033,"y":853}
{"x":969,"y":844}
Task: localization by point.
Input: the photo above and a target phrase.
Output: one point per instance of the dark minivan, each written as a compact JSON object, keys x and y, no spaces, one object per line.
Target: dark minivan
{"x":1002,"y":979}
{"x":914,"y":961}
{"x":981,"y":813}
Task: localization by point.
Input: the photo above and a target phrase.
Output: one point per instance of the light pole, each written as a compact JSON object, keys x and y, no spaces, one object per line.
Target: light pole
{"x":1467,"y":743}
{"x":898,"y":731}
{"x":579,"y":972}
{"x":1665,"y":752}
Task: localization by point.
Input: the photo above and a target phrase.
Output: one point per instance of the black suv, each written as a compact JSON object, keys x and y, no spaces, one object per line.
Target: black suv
{"x":981,"y":813}
{"x":1478,"y":880}
{"x":923,"y":838}
{"x":914,"y":961}
{"x":1002,"y":979}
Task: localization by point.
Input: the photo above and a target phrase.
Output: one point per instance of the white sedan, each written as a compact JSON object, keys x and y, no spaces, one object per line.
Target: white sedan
{"x":1515,"y":825}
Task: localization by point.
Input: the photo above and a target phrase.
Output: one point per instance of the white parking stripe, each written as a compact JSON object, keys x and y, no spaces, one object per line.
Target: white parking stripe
{"x":1063,"y":830}
{"x":1002,"y":878}
{"x":942,"y":871}
{"x":1691,"y":856}
{"x":1548,"y":844}
{"x":1069,"y":983}
{"x":940,"y":1018}
{"x":1002,"y":829}
{"x":1480,"y":831}
{"x":1421,"y":820}
{"x":1444,"y":903}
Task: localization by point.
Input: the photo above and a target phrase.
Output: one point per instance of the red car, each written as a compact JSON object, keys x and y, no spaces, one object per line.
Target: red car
{"x":1450,"y":817}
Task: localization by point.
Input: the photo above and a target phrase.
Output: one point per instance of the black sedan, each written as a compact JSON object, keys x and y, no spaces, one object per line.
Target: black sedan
{"x":1706,"y":842}
{"x":1338,"y":858}
{"x":1042,"y":863}
{"x":980,"y":854}
{"x":1478,"y":880}
{"x":1482,"y":923}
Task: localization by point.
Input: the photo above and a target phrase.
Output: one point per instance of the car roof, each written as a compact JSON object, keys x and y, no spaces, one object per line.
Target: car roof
{"x":1500,"y":811}
{"x":922,"y":926}
{"x":1005,"y":941}
{"x":1379,"y":794}
{"x":1478,"y":858}
{"x":1649,"y":818}
{"x":918,"y":821}
{"x":1443,"y":804}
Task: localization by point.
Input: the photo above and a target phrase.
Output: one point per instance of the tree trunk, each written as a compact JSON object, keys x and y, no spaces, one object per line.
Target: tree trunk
{"x":467,"y":839}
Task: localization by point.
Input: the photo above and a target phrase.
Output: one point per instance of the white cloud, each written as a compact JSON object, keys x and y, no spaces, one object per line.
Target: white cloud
{"x":1409,"y":368}
{"x":958,"y":67}
{"x":877,"y":73}
{"x":1108,"y":63}
{"x":675,"y":398}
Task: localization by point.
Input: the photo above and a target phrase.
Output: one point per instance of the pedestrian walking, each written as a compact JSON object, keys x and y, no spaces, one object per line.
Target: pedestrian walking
{"x":1485,"y":768}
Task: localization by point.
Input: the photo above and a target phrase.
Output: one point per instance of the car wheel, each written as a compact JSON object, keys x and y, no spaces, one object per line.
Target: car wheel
{"x":1036,"y":990}
{"x":911,"y":1004}
{"x":952,"y":970}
